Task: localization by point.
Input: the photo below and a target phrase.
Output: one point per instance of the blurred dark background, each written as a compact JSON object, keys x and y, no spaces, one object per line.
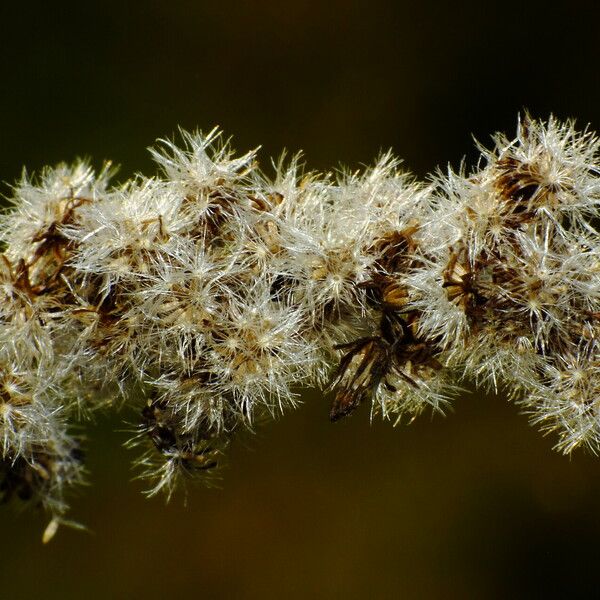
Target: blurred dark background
{"x":474,"y":505}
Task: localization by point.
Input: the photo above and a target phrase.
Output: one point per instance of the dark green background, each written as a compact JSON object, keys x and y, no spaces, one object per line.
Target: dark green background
{"x":475,"y":505}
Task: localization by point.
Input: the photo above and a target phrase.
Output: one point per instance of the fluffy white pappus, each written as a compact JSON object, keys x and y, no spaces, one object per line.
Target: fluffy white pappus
{"x":428,"y":389}
{"x":500,"y":357}
{"x":181,"y":303}
{"x":467,"y":209}
{"x":204,"y":163}
{"x":39,"y":460}
{"x":125,"y":236}
{"x":26,"y":339}
{"x":258,"y":351}
{"x":194,"y":403}
{"x":567,"y":400}
{"x":26,"y":411}
{"x":49,"y":472}
{"x":550,"y":166}
{"x":178,"y":449}
{"x":289,"y":187}
{"x":256,"y":373}
{"x":42,"y":203}
{"x":548,"y":173}
{"x":174,"y":468}
{"x":330,"y":234}
{"x":379,"y":200}
{"x":440,"y":318}
{"x":331,"y":280}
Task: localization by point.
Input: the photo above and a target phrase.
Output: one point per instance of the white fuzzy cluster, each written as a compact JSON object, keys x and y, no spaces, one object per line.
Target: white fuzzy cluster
{"x":516,"y":250}
{"x":209,"y":295}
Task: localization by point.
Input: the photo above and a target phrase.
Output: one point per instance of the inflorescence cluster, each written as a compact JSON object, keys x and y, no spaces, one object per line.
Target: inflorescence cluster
{"x":205,"y":297}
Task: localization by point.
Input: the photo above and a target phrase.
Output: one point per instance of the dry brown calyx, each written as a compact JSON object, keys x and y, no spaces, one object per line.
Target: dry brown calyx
{"x":396,"y":351}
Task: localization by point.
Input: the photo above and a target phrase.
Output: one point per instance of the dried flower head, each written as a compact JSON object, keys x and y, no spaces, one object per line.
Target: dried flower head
{"x":204,"y":298}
